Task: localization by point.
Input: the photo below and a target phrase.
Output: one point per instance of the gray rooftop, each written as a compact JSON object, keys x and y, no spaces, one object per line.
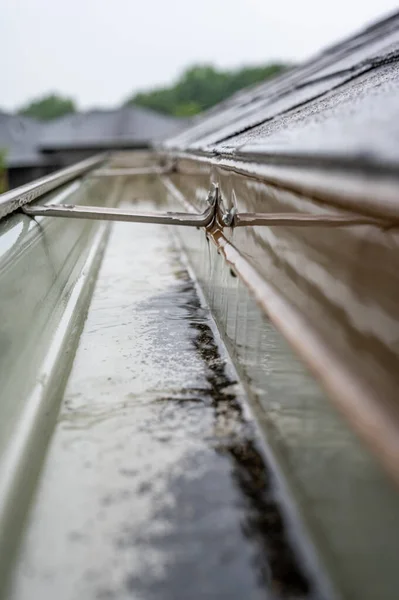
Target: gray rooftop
{"x":96,"y":128}
{"x":26,"y":139}
{"x":19,"y":137}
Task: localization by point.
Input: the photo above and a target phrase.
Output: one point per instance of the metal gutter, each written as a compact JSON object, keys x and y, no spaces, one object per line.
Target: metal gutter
{"x":146,"y":403}
{"x":232,"y":251}
{"x":337,"y":484}
{"x":14,"y":199}
{"x":374,"y":419}
{"x":365,"y":395}
{"x":357,"y":188}
{"x":359,"y":404}
{"x":47,"y":272}
{"x":21,"y":462}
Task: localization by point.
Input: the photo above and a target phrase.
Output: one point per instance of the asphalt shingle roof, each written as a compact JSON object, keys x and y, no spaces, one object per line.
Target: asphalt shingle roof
{"x":340,"y":106}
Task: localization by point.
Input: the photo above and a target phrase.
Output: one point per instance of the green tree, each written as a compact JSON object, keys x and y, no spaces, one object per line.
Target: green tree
{"x":48,"y":107}
{"x":202,"y":86}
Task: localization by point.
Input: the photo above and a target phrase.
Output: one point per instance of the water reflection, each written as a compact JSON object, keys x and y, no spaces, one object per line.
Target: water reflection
{"x":234,"y":438}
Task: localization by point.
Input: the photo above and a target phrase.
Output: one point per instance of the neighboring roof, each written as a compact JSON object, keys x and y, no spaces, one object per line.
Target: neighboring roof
{"x":19,"y":137}
{"x":130,"y":125}
{"x":26,"y":139}
{"x":341,"y":106}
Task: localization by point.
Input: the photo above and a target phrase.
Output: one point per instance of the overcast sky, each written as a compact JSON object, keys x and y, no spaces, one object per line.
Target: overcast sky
{"x":101,"y":51}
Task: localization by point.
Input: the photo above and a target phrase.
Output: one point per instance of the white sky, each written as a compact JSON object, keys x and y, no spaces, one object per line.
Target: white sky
{"x":101,"y":51}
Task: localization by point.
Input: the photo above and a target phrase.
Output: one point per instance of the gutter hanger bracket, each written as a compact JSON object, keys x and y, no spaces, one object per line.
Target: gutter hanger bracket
{"x":214,"y":212}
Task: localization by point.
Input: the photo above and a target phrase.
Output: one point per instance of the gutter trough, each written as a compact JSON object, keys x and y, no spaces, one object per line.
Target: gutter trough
{"x":189,"y":437}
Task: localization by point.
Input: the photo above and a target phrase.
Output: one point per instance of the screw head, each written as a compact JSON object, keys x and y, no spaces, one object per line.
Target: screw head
{"x":228,"y":217}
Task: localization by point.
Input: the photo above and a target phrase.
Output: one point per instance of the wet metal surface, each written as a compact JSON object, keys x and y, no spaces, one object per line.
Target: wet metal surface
{"x":155,"y":484}
{"x":99,"y":213}
{"x":14,"y":199}
{"x":46,"y":274}
{"x":349,"y":505}
{"x":40,"y":262}
{"x":342,"y":281}
{"x":169,"y":494}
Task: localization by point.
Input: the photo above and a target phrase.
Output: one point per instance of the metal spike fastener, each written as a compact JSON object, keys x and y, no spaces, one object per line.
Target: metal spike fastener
{"x":213,"y":195}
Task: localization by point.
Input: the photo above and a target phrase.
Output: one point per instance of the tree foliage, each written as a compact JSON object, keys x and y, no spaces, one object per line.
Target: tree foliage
{"x":201,"y":87}
{"x":48,"y":107}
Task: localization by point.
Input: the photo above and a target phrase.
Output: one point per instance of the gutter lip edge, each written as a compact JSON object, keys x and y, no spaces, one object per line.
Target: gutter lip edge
{"x":366,"y":192}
